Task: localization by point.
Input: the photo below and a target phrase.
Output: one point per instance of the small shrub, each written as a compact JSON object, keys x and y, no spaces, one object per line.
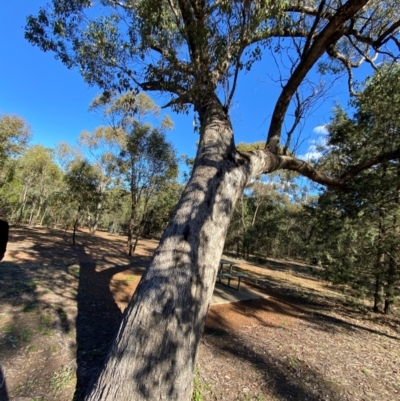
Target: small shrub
{"x":62,"y":379}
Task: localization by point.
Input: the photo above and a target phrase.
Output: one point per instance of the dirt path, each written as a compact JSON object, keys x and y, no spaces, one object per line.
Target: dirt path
{"x":60,"y":306}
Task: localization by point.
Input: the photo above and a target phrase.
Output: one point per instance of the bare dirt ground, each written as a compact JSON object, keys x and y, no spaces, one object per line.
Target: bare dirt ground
{"x":60,"y":306}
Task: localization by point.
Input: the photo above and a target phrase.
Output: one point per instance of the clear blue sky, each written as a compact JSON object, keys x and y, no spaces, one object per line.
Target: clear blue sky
{"x":54,"y":100}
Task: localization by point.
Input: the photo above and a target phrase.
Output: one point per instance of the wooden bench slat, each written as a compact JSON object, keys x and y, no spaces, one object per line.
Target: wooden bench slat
{"x":238,"y":276}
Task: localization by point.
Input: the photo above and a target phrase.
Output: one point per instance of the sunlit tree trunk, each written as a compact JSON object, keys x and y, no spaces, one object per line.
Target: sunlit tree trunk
{"x":30,"y":222}
{"x":43,"y":216}
{"x":154,"y":354}
{"x":96,"y":218}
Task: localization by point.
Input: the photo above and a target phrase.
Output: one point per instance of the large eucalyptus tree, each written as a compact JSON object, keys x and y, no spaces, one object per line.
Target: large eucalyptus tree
{"x":196,"y":50}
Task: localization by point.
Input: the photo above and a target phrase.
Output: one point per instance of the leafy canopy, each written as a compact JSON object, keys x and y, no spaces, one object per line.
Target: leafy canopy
{"x":189,"y":48}
{"x":14,"y":136}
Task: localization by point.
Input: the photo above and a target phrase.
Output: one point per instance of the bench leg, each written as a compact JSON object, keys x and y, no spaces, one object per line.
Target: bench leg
{"x":239,"y":278}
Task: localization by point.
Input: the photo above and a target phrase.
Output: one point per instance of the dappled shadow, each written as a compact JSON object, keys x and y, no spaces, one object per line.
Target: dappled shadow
{"x":34,"y":299}
{"x":294,"y":303}
{"x":285,"y":378}
{"x":32,"y":244}
{"x":295,"y":267}
{"x":3,"y":386}
{"x":23,"y":287}
{"x":316,"y":306}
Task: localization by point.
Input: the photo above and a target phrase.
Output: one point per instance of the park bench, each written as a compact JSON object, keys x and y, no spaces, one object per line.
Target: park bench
{"x":230,"y":276}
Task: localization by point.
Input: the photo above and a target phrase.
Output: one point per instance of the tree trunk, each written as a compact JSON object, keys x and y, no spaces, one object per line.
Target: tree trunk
{"x":153,"y":355}
{"x":130,"y":236}
{"x":377,"y":294}
{"x":31,"y":215}
{"x":38,"y":212}
{"x":74,"y":232}
{"x":390,"y":286}
{"x":43,"y":216}
{"x":93,"y":227}
{"x":23,"y":203}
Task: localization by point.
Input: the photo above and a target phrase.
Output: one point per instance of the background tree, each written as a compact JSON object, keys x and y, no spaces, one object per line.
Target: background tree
{"x":145,"y":159}
{"x":195,"y":51}
{"x":101,"y":148}
{"x":160,"y":211}
{"x":14,"y":136}
{"x":148,"y":162}
{"x":35,"y":181}
{"x":83,"y":191}
{"x":363,"y":225}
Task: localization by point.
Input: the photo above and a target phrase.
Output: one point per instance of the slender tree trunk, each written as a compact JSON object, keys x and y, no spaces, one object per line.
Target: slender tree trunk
{"x":43,"y":216}
{"x":377,"y":294}
{"x":238,"y":243}
{"x":31,"y":215}
{"x":74,"y":231}
{"x":130,"y":236}
{"x":244,"y":228}
{"x":153,"y":355}
{"x":132,"y":221}
{"x":255,"y":215}
{"x":378,"y":277}
{"x":38,"y":212}
{"x":22,"y":200}
{"x":390,"y":286}
{"x":96,"y":218}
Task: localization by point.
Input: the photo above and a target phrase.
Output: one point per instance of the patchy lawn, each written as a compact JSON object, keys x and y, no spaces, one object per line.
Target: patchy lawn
{"x":60,"y":307}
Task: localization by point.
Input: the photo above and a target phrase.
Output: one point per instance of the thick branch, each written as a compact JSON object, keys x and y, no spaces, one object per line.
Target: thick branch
{"x":305,"y":169}
{"x":314,"y":26}
{"x":383,"y":158}
{"x":381,"y":40}
{"x":263,"y":161}
{"x":327,"y":37}
{"x":179,"y":101}
{"x":162,"y":86}
{"x":190,"y":27}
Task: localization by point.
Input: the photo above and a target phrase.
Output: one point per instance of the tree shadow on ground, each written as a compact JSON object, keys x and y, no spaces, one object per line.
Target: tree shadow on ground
{"x":33,"y":299}
{"x":51,"y":277}
{"x":299,"y":268}
{"x":295,"y":303}
{"x":98,"y":316}
{"x":287,"y":379}
{"x":313,"y":305}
